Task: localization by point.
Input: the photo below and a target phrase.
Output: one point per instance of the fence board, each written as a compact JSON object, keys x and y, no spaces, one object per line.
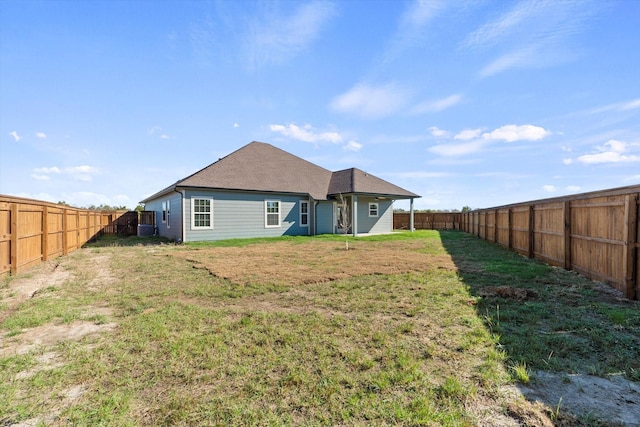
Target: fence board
{"x":32,"y":231}
{"x":595,"y":234}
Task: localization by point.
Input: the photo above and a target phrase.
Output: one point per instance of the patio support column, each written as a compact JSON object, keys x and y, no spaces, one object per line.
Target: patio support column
{"x":354,"y":216}
{"x":411,"y":227}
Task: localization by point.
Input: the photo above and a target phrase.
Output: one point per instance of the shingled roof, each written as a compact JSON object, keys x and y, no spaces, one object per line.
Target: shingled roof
{"x":262,"y":167}
{"x":355,"y":181}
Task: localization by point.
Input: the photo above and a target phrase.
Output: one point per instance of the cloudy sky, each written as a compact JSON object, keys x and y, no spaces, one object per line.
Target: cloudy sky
{"x":468,"y":103}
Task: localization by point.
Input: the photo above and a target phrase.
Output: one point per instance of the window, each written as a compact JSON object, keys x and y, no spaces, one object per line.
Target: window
{"x":271,"y":213}
{"x":201,"y":213}
{"x":373,"y":209}
{"x":164,"y":212}
{"x":304,"y":213}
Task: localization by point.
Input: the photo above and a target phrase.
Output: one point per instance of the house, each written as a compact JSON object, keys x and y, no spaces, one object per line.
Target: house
{"x":262,"y":191}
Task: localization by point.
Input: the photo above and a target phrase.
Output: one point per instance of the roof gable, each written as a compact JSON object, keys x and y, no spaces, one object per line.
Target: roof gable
{"x":262,"y":167}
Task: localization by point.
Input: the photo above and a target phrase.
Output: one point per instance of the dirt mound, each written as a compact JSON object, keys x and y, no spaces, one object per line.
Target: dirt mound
{"x":510,"y":292}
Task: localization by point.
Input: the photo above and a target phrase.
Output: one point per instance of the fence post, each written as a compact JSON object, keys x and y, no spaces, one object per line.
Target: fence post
{"x":566,"y":210}
{"x":629,"y":248}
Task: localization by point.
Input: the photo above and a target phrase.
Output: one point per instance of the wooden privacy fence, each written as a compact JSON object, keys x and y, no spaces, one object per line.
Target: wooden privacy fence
{"x":428,"y":220}
{"x":33,"y":231}
{"x":595,"y":234}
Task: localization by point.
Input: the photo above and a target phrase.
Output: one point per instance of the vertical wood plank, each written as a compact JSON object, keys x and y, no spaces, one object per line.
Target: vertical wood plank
{"x":45,"y":233}
{"x":532,"y":225}
{"x":14,"y":238}
{"x":567,"y":234}
{"x":510,"y":227}
{"x":65,"y":229}
{"x":629,"y":248}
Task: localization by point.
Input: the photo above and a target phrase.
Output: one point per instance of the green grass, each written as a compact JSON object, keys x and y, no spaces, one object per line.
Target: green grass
{"x":404,"y":349}
{"x":568,"y":326}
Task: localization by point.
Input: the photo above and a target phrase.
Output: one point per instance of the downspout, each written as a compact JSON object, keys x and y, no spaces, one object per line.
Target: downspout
{"x":182,"y":225}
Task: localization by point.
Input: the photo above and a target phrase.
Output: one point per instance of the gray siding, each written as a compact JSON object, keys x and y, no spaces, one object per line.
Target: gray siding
{"x":242,"y":215}
{"x":383,"y":223}
{"x":324,"y":212}
{"x":171,"y":229}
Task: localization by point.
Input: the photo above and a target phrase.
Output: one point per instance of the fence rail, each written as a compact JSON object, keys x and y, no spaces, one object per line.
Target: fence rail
{"x":32,"y":231}
{"x":595,"y":234}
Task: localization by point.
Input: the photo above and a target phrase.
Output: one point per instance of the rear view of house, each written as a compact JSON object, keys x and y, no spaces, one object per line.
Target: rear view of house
{"x":262,"y":191}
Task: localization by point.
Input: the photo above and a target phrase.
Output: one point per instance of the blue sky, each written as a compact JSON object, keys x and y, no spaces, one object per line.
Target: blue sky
{"x":467,"y":103}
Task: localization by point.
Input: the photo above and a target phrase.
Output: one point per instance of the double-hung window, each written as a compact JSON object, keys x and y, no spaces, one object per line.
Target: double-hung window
{"x":201,"y":213}
{"x":373,"y":209}
{"x":271,"y":213}
{"x":304,"y":213}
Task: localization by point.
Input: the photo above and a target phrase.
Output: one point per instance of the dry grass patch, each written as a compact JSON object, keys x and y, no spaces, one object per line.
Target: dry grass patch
{"x":316,"y":261}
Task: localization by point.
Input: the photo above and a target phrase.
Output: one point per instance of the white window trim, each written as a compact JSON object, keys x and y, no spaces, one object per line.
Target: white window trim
{"x":266,"y":214}
{"x":193,"y":214}
{"x":164,"y":212}
{"x":301,"y":214}
{"x":377,"y":205}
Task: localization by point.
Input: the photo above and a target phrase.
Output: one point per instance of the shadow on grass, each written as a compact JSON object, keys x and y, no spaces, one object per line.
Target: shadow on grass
{"x":111,"y":240}
{"x":547,"y":318}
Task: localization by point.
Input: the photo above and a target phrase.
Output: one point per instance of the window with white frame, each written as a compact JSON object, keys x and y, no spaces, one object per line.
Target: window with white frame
{"x":201,"y":213}
{"x":304,"y":213}
{"x":373,"y":209}
{"x":164,"y":212}
{"x":271,"y":213}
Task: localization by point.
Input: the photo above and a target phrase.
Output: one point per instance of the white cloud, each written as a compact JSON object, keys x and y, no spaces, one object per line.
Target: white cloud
{"x":458,"y":149}
{"x":41,"y":135}
{"x":567,"y":161}
{"x":236,"y":125}
{"x":352,"y":146}
{"x":549,"y":188}
{"x":435,"y":131}
{"x":165,"y":136}
{"x":79,"y":173}
{"x":418,"y":175}
{"x":53,"y":169}
{"x":532,"y":34}
{"x":612,"y":151}
{"x":437,"y":105}
{"x":411,"y":26}
{"x":15,"y":136}
{"x":618,"y":106}
{"x":274,"y":37}
{"x":468,"y":134}
{"x":511,"y":133}
{"x":371,"y":101}
{"x":306,"y":133}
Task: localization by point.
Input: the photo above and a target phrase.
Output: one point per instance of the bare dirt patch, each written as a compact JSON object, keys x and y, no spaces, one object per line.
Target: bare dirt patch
{"x":26,"y":286}
{"x":614,"y":398}
{"x":314,"y":262}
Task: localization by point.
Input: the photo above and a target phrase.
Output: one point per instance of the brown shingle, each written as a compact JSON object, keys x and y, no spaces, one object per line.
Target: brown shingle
{"x":262,"y":167}
{"x":355,"y":181}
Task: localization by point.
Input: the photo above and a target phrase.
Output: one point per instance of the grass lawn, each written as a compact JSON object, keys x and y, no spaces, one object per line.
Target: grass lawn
{"x":403,"y":329}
